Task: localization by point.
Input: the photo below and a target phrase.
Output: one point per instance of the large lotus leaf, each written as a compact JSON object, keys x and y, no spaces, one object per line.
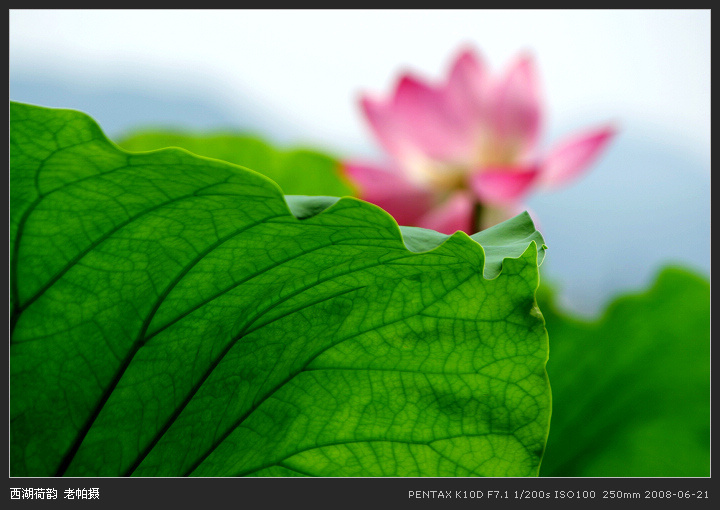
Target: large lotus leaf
{"x":631,"y":390}
{"x":297,"y":171}
{"x":175,"y":315}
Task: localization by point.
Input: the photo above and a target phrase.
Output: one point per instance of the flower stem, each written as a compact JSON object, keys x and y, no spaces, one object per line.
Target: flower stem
{"x":477,"y":217}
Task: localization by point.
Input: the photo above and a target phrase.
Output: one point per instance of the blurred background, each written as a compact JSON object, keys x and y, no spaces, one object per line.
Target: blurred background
{"x":294,"y":78}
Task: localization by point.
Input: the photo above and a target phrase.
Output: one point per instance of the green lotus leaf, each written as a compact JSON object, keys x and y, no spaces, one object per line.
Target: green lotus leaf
{"x":175,"y":315}
{"x":631,"y":390}
{"x":298,"y":171}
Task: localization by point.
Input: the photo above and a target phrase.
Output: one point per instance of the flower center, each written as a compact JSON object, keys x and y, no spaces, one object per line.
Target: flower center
{"x":493,"y":152}
{"x":439,"y":176}
{"x":447,"y":176}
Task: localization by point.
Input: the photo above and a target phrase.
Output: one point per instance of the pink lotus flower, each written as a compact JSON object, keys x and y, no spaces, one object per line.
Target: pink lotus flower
{"x":464,"y":153}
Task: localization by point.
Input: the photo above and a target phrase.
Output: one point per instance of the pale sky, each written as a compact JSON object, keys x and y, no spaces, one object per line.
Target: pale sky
{"x":310,"y":65}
